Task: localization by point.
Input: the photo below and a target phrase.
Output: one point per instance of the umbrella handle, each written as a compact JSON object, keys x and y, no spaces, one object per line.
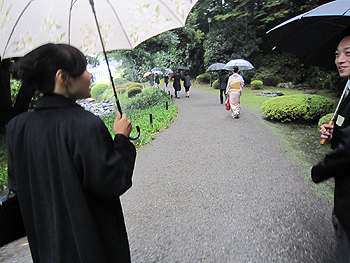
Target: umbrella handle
{"x":137,"y":135}
{"x":323,"y":141}
{"x":137,"y":127}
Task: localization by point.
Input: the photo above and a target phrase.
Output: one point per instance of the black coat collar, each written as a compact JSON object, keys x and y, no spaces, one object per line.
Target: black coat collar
{"x":53,"y":100}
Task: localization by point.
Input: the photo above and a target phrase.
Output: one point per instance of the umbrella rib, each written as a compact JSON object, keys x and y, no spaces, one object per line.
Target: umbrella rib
{"x":14,"y":27}
{"x":70,"y":18}
{"x":120,"y":23}
{"x":171,"y":11}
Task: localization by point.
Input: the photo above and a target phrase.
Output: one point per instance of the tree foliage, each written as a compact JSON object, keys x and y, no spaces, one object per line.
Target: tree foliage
{"x":221,"y":30}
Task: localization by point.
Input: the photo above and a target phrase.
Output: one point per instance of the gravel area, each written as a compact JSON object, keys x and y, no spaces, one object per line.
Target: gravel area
{"x":216,"y":189}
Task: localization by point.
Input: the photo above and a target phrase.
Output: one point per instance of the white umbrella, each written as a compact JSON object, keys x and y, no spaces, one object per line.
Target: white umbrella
{"x":216,"y":67}
{"x":241,"y":63}
{"x":27,"y":24}
{"x":156,"y":71}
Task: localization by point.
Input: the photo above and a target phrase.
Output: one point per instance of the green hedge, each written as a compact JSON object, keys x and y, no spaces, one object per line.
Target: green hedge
{"x":139,"y":85}
{"x":203,"y":78}
{"x":325,"y":119}
{"x":215,"y":84}
{"x":256,"y":84}
{"x":149,"y":97}
{"x":98,"y":90}
{"x":300,"y":107}
{"x":133,"y":91}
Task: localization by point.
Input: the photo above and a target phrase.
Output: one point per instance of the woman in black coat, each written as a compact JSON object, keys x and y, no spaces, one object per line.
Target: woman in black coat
{"x":177,"y":84}
{"x":65,"y":167}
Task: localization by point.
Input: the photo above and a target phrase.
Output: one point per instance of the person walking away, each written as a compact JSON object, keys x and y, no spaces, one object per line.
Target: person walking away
{"x":151,"y":81}
{"x":176,"y":84}
{"x":234,"y":89}
{"x":337,"y":163}
{"x":223,"y":78}
{"x":187,"y":83}
{"x":65,"y":167}
{"x":156,"y":79}
{"x":166,"y":79}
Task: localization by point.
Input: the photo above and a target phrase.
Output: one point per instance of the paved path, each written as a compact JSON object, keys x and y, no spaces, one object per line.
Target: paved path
{"x":216,"y":189}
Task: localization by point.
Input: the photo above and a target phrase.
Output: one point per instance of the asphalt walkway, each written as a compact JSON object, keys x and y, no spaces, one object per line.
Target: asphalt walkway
{"x":216,"y":189}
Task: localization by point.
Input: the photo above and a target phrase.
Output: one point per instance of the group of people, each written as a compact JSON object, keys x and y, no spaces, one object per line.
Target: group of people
{"x":232,"y":87}
{"x":176,"y":77}
{"x":69,"y":194}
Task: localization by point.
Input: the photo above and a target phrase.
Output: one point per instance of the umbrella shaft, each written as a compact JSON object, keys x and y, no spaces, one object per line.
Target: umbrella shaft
{"x":105,"y":55}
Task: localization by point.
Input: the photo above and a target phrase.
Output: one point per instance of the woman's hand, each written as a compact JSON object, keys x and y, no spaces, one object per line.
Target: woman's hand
{"x":122,"y":125}
{"x":327,"y":131}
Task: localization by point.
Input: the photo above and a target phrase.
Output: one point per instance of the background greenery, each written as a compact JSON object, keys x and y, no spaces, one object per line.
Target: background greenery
{"x":237,"y":29}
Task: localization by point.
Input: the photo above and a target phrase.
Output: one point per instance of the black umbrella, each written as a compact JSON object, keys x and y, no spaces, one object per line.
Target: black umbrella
{"x":314,"y":35}
{"x":216,"y":67}
{"x":183,"y":68}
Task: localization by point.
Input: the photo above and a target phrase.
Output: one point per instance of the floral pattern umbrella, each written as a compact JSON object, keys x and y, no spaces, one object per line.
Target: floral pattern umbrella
{"x":27,"y":24}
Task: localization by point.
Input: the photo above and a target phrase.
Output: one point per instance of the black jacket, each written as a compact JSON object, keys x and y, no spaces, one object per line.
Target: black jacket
{"x":337,"y":164}
{"x":68,"y":173}
{"x":223,"y":78}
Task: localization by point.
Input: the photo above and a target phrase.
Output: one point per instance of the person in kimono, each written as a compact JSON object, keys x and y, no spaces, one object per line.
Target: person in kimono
{"x":67,"y":170}
{"x":234,"y":89}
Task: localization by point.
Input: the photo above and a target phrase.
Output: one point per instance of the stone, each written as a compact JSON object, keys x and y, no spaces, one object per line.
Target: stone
{"x":270,"y":93}
{"x":99,"y":108}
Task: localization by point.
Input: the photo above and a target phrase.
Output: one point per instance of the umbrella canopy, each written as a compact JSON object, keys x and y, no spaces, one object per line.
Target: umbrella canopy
{"x":314,"y":35}
{"x":216,"y":67}
{"x":183,"y":68}
{"x":26,"y":24}
{"x":169,"y":70}
{"x":148,"y":73}
{"x":156,"y":71}
{"x":242,"y":64}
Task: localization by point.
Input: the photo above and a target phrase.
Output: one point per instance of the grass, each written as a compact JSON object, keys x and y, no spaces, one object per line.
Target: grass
{"x":161,"y":119}
{"x":301,"y":141}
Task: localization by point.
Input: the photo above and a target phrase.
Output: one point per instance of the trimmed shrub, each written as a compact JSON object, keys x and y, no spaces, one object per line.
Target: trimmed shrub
{"x":108,"y":94}
{"x":139,"y":85}
{"x":215,"y":84}
{"x":97,"y":90}
{"x":149,"y":97}
{"x":120,"y":89}
{"x":325,"y":119}
{"x":132,"y":92}
{"x":203,"y":78}
{"x":126,"y":85}
{"x":299,"y":108}
{"x":119,"y":81}
{"x":256,"y":84}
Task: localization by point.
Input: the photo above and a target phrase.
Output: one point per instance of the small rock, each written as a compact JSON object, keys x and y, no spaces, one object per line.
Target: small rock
{"x":270,"y":93}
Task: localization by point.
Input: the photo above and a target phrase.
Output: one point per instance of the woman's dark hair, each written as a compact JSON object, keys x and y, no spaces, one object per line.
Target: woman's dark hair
{"x":235,"y":69}
{"x":41,"y":65}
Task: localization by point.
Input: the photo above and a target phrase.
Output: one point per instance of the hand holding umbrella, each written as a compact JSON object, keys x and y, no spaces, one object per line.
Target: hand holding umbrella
{"x":110,"y":74}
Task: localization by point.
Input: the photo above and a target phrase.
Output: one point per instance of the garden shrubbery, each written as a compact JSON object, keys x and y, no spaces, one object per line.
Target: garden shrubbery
{"x":203,"y":78}
{"x":299,"y":108}
{"x":325,"y":119}
{"x":256,"y":84}
{"x":148,"y":98}
{"x":132,"y":91}
{"x":132,"y":85}
{"x":98,"y":90}
{"x":215,"y":84}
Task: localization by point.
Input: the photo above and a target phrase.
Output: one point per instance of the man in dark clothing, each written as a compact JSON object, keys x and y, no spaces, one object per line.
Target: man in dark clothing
{"x":337,"y":163}
{"x":223,"y":78}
